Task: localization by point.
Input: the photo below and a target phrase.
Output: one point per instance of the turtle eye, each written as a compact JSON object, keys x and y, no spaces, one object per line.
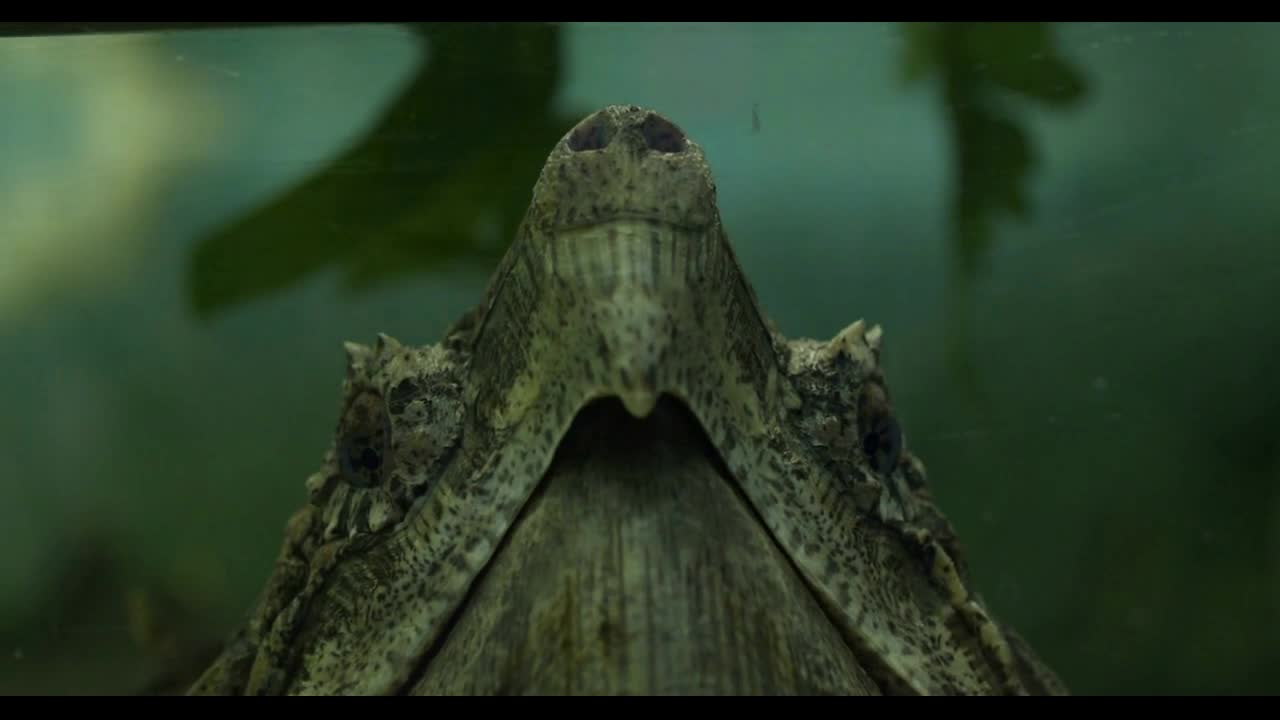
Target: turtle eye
{"x":364,"y":440}
{"x":882,"y":444}
{"x":881,"y":434}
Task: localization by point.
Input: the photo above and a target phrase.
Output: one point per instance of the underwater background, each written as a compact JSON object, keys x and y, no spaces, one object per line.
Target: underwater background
{"x":1069,"y":232}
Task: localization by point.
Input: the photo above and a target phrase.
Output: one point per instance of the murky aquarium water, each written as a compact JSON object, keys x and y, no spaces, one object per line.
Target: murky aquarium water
{"x":640,"y":358}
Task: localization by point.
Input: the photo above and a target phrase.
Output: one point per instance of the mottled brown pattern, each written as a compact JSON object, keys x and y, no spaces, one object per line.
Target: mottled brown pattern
{"x":622,"y":288}
{"x":635,"y":569}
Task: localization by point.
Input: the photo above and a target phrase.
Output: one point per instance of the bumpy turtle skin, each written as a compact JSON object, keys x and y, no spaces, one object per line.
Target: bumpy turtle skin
{"x":621,"y":283}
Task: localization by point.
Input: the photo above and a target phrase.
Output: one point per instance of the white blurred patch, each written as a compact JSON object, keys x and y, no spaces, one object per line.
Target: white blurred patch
{"x":100,"y":126}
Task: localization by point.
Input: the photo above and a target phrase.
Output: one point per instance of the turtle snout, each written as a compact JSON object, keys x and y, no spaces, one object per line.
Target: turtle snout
{"x":624,"y":163}
{"x":651,"y":132}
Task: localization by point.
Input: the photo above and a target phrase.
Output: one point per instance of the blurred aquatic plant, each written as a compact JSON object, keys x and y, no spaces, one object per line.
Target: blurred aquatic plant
{"x":466,"y":169}
{"x":456,"y":153}
{"x":447,"y":166}
{"x":986,"y":70}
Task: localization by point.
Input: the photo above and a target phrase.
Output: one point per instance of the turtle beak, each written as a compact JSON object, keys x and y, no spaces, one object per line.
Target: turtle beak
{"x":639,"y":567}
{"x":635,"y":364}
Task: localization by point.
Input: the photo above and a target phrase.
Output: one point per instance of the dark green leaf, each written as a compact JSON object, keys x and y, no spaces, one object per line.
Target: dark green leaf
{"x":921,"y":53}
{"x":994,"y":159}
{"x":987,"y":70}
{"x":444,"y":176}
{"x":1021,"y":57}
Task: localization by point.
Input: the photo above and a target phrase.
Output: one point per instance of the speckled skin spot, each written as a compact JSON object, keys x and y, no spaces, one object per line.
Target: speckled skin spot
{"x":621,"y":284}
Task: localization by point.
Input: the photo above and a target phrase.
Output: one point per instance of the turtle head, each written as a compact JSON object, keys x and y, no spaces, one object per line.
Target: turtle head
{"x":624,"y":162}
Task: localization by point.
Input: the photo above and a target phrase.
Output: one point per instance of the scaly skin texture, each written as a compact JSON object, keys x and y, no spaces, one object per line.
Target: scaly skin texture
{"x":620,"y":286}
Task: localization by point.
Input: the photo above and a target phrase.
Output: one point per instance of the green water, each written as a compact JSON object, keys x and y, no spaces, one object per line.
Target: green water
{"x":191,"y":224}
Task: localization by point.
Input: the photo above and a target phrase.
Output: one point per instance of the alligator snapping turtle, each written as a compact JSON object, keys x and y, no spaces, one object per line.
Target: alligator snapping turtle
{"x":615,"y":476}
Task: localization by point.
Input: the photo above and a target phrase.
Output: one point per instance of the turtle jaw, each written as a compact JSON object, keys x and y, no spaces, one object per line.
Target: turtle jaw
{"x":613,"y":308}
{"x":637,"y":566}
{"x":639,"y":402}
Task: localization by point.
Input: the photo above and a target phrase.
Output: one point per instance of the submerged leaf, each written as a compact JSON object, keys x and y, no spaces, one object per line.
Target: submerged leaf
{"x":1021,"y":58}
{"x":994,"y":158}
{"x":920,"y":55}
{"x":444,"y":175}
{"x":986,"y":70}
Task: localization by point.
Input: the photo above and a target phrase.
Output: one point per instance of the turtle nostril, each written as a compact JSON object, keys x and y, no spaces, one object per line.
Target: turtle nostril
{"x":662,"y":136}
{"x":592,"y":134}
